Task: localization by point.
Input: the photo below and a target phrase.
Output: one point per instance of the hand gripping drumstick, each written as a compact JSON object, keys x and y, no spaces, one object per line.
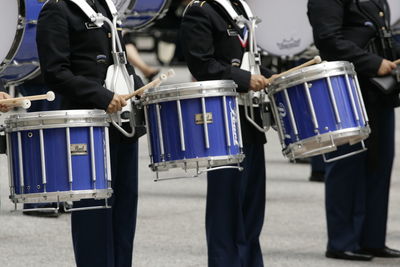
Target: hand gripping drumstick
{"x":315,"y":60}
{"x":50,"y":96}
{"x":154,"y":83}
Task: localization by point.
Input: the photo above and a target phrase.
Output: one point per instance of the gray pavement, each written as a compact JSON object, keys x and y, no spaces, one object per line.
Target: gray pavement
{"x":170,"y":229}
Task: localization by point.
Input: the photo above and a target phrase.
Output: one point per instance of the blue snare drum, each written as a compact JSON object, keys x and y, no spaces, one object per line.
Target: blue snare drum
{"x":319,"y":108}
{"x":178,"y":134}
{"x":18,"y":52}
{"x":142,"y":13}
{"x":58,"y":156}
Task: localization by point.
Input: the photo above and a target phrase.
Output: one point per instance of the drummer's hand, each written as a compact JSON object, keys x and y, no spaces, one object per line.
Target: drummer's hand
{"x":386,"y":67}
{"x":268,"y":81}
{"x":116,"y":104}
{"x":4,"y":108}
{"x":257,"y":82}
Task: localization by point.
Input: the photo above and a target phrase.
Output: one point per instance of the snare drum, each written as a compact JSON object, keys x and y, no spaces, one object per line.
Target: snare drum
{"x":143,"y":13}
{"x":18,"y":52}
{"x":193,"y":125}
{"x":58,"y":156}
{"x":319,"y":108}
{"x":288,"y":38}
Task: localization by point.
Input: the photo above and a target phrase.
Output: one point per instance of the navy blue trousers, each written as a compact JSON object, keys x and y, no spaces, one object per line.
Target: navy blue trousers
{"x":104,"y":237}
{"x":235,"y":212}
{"x":357,"y":189}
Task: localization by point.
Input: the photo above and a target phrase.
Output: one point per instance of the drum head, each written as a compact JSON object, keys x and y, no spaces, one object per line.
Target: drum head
{"x":394,"y":11}
{"x":8,"y":26}
{"x":285,"y":29}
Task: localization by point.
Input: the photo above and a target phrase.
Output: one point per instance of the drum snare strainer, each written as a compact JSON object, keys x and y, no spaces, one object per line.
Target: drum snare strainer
{"x":319,"y":108}
{"x":193,"y":126}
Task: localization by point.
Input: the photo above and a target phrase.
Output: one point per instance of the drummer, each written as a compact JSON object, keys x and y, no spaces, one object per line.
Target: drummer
{"x":214,"y":46}
{"x":74,"y":56}
{"x":3,"y":95}
{"x":357,"y":188}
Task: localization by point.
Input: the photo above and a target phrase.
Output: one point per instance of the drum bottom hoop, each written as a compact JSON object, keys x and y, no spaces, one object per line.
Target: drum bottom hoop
{"x":197,"y":163}
{"x":61,"y":196}
{"x":323,"y":143}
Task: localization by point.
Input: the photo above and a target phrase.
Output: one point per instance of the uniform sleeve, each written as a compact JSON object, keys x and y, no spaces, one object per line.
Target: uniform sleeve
{"x":197,"y":42}
{"x":326,"y":18}
{"x":54,"y":55}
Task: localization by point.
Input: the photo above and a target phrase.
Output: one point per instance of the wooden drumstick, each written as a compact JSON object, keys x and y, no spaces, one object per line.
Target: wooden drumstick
{"x":151,"y":84}
{"x":315,"y":60}
{"x":397,"y":62}
{"x":50,"y":96}
{"x":25,"y":104}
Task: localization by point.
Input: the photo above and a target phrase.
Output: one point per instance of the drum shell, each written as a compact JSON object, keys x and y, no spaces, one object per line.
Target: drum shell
{"x":219,"y":100}
{"x":23,"y":134}
{"x":193,"y":132}
{"x":55,"y":147}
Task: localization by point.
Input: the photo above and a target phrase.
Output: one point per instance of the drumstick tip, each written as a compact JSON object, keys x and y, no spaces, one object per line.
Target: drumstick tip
{"x":50,"y":96}
{"x":317,"y":59}
{"x":25,"y":104}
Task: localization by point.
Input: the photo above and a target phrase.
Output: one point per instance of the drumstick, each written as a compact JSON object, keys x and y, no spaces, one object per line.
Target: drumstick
{"x":315,"y":60}
{"x":397,"y":62}
{"x":151,"y":84}
{"x":25,"y":104}
{"x":50,"y":96}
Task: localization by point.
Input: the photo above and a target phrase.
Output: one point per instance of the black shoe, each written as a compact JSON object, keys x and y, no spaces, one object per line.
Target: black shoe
{"x":381,"y":252}
{"x":317,"y":176}
{"x":347,"y":255}
{"x":42,"y":213}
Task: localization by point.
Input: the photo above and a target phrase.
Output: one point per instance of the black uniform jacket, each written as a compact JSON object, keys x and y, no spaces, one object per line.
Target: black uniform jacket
{"x":75,"y":54}
{"x":2,"y":89}
{"x":346,"y":29}
{"x":213,"y":52}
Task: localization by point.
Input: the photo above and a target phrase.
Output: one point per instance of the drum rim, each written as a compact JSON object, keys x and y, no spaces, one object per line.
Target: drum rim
{"x":19,"y":34}
{"x":70,"y":195}
{"x":291,"y":152}
{"x":202,"y":162}
{"x":181,"y":91}
{"x":312,"y":73}
{"x":56,"y":119}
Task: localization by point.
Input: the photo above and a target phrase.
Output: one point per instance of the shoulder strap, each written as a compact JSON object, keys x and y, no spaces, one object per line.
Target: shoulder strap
{"x":89,"y":11}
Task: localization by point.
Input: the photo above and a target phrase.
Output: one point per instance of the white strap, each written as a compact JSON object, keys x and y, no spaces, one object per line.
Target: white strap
{"x":91,"y":14}
{"x":247,"y":9}
{"x":227,"y":5}
{"x":86,"y":8}
{"x":112,"y":8}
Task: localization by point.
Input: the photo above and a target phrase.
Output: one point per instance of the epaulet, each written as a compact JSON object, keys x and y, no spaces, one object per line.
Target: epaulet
{"x":197,"y":3}
{"x":53,"y":1}
{"x":194,"y":3}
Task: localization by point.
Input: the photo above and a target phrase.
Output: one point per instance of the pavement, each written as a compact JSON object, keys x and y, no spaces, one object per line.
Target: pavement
{"x":170,"y":229}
